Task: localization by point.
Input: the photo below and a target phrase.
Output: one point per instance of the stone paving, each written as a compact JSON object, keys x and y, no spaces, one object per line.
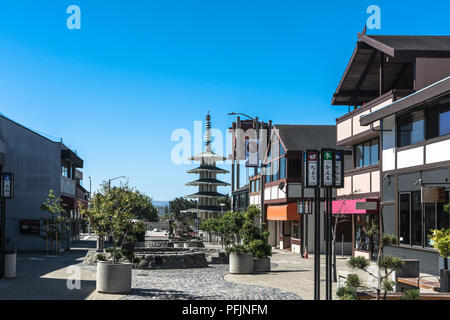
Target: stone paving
{"x":196,"y":284}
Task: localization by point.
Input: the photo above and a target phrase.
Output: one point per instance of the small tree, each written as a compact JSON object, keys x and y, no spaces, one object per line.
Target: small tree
{"x":387,"y":264}
{"x":441,"y":242}
{"x":57,"y":219}
{"x":255,"y":240}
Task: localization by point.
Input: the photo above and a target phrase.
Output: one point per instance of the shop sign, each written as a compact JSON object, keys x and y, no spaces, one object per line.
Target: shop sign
{"x":327,"y":166}
{"x":312,"y":168}
{"x":7,"y":185}
{"x":339,"y":169}
{"x":432,"y":194}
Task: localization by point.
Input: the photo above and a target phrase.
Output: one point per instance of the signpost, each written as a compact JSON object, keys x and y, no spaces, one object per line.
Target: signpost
{"x":6,"y":192}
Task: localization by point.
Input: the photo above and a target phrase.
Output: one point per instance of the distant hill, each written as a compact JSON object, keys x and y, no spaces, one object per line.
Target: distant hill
{"x":160,"y":205}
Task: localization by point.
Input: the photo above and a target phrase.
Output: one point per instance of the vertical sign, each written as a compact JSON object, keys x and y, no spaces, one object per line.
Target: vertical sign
{"x":327,"y":166}
{"x":312,"y":169}
{"x":339,"y":169}
{"x":251,"y":153}
{"x":7,"y":185}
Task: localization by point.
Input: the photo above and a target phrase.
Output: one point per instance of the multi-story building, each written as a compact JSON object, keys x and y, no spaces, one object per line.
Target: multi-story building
{"x":39,"y":165}
{"x":284,"y":191}
{"x":397,"y":130}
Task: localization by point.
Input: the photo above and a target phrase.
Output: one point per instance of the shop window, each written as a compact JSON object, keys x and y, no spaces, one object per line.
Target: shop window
{"x":438,"y":120}
{"x":296,"y":230}
{"x":404,"y":218}
{"x":362,"y":240}
{"x":416,"y":219}
{"x":410,"y":128}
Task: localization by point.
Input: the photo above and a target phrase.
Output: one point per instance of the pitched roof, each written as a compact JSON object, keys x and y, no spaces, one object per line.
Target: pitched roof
{"x":302,"y":137}
{"x":414,"y":43}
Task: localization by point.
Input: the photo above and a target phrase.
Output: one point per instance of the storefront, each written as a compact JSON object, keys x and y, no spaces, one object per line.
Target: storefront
{"x":365,"y":216}
{"x":285,"y":221}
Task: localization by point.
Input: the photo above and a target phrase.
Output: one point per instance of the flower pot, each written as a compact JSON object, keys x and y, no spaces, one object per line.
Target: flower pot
{"x":113,"y":278}
{"x":241,"y":263}
{"x":261,"y":264}
{"x":178,"y":244}
{"x":10,"y":264}
{"x":190,"y":245}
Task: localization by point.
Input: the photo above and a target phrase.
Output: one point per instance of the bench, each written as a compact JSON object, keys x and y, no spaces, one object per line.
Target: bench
{"x":420,"y":282}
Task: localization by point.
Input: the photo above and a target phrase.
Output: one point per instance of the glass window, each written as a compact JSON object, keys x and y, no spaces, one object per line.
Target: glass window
{"x":442,"y":217}
{"x":410,"y":128}
{"x":404,"y":218}
{"x":366,"y":155}
{"x":359,"y":159}
{"x":430,"y":221}
{"x":362,"y":240}
{"x":275,"y":170}
{"x":282,"y":167}
{"x":282,"y":151}
{"x":268,"y":172}
{"x":374,"y":152}
{"x":444,"y":120}
{"x":294,"y":168}
{"x":416,"y":219}
{"x":296,"y":230}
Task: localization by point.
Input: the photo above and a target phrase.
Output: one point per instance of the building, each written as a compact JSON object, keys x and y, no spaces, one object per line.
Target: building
{"x":284,"y":191}
{"x":398,"y":87}
{"x":38,"y":164}
{"x":207,"y":183}
{"x":240,"y":200}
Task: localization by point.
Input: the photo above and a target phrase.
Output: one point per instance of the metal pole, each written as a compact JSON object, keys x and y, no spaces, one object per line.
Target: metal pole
{"x":2,"y":271}
{"x":330,"y":259}
{"x":317,"y":245}
{"x":342,"y":246}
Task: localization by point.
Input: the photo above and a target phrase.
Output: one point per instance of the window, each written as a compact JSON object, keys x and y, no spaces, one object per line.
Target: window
{"x":296,"y":230}
{"x":366,"y":153}
{"x":282,"y":167}
{"x":444,"y":119}
{"x":65,"y":169}
{"x":275,"y":170}
{"x":417,"y":219}
{"x":268,"y":172}
{"x":294,"y":168}
{"x":282,"y":151}
{"x":438,"y":120}
{"x":410,"y":128}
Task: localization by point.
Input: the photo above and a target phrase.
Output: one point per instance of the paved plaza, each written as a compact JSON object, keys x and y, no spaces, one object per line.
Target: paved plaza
{"x":45,"y":277}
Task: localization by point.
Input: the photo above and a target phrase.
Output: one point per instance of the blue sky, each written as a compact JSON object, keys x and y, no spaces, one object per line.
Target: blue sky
{"x":137,"y":70}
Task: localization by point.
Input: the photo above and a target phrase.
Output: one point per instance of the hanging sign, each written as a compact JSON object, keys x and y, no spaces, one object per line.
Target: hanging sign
{"x":312,"y":168}
{"x":339,"y":169}
{"x":327,"y":167}
{"x":7,"y":185}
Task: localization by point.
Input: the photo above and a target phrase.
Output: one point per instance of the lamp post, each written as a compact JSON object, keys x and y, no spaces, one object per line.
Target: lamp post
{"x":257,"y":125}
{"x":221,"y":206}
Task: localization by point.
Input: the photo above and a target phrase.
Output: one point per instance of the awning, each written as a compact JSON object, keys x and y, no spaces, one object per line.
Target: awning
{"x":73,"y":203}
{"x":283,"y":213}
{"x":350,"y":206}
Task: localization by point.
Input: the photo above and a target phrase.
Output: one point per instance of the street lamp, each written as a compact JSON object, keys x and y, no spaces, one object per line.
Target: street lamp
{"x":257,"y":125}
{"x":222,"y":205}
{"x":109,"y":181}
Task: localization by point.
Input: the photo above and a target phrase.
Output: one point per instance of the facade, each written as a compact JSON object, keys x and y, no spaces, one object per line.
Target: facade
{"x":240,"y":200}
{"x":38,"y":164}
{"x":393,"y":147}
{"x":283,"y":187}
{"x":207,"y":183}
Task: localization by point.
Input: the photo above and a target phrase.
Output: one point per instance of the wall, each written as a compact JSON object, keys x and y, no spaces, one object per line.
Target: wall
{"x":36,"y":164}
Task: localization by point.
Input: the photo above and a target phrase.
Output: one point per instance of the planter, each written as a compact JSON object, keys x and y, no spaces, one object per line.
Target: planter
{"x":261,"y":264}
{"x":113,"y":278}
{"x":178,"y":244}
{"x":241,"y":263}
{"x":10,"y":264}
{"x":190,"y":245}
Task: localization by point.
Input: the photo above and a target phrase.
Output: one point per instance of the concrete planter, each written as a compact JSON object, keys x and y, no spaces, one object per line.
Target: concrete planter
{"x":190,"y":245}
{"x":178,"y":244}
{"x":113,"y":278}
{"x":241,"y":263}
{"x":10,"y":264}
{"x":261,"y":264}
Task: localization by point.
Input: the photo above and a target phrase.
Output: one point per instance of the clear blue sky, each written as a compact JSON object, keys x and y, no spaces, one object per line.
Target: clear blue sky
{"x":116,"y":89}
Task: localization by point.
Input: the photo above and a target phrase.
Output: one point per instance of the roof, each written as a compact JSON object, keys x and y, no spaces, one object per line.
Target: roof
{"x":208,"y":156}
{"x":433,"y":91}
{"x":206,"y":194}
{"x":208,"y":181}
{"x":208,"y":169}
{"x":360,"y":82}
{"x":302,"y":137}
{"x":244,"y":188}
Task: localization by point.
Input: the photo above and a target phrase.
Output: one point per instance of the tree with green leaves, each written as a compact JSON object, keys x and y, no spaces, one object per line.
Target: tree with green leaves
{"x":226,"y":201}
{"x":387,"y":264}
{"x":111,"y":213}
{"x":255,"y":240}
{"x":58,"y":220}
{"x":440,"y":240}
{"x":179,"y":204}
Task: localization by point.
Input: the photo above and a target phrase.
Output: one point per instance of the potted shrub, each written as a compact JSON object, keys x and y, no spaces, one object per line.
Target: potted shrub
{"x":440,"y":240}
{"x":256,"y":241}
{"x":110,"y":212}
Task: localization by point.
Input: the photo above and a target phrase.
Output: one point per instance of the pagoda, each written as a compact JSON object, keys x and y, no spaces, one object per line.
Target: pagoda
{"x":207,"y":183}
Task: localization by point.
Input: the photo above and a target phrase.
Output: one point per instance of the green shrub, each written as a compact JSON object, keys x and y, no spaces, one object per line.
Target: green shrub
{"x":260,"y":248}
{"x":101,"y":257}
{"x":411,"y":294}
{"x":127,"y":254}
{"x":358,"y":262}
{"x":346,"y":293}
{"x":237,"y":249}
{"x":353,"y":281}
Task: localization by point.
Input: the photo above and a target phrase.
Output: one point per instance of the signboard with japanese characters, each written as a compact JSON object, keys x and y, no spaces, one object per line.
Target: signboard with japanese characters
{"x":327,"y":167}
{"x":7,"y":185}
{"x":312,"y":168}
{"x":339,"y":169}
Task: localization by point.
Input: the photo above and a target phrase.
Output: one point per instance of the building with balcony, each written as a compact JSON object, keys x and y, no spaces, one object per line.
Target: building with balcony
{"x":398,"y":88}
{"x":39,"y":164}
